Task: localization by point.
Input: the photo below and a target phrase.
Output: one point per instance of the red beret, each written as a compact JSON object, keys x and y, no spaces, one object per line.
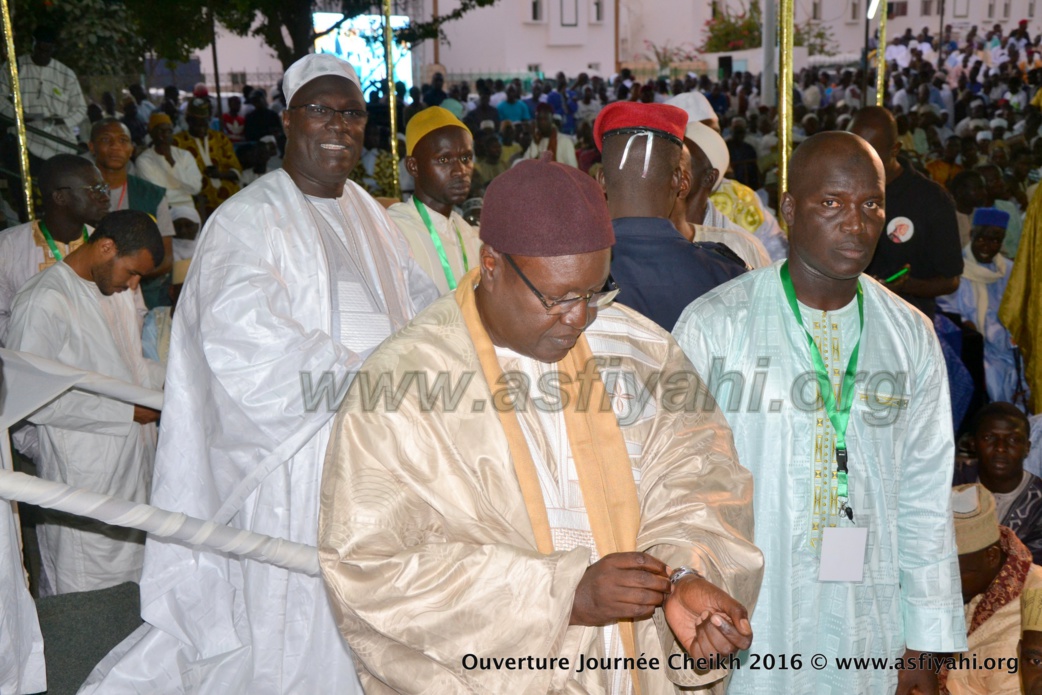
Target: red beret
{"x":662,"y":120}
{"x":542,"y":208}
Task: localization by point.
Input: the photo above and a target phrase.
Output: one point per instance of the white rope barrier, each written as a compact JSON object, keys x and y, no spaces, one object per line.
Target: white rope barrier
{"x":160,"y":523}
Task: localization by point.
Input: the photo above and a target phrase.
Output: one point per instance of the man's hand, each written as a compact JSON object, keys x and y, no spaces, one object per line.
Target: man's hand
{"x":896,"y":284}
{"x":144,"y":416}
{"x":618,"y":586}
{"x":916,"y":681}
{"x":706,"y":620}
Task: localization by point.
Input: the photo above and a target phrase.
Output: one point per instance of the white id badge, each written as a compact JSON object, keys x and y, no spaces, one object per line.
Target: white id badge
{"x":843,"y":554}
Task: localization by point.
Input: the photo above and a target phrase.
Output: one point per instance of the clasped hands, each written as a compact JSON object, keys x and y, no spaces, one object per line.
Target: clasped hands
{"x":705,"y":620}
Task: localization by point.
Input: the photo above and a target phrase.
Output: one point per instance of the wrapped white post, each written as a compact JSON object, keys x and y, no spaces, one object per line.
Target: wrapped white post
{"x":159,"y":523}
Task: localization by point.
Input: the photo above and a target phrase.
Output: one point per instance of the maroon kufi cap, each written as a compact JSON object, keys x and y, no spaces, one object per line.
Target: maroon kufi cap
{"x":542,"y":208}
{"x":543,"y":107}
{"x":662,"y":120}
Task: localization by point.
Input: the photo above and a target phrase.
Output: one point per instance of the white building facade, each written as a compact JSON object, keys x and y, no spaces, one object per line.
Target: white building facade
{"x":515,"y":36}
{"x":519,"y":37}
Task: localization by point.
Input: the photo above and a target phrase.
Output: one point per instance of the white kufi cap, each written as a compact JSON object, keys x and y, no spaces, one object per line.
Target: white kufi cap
{"x":313,"y":66}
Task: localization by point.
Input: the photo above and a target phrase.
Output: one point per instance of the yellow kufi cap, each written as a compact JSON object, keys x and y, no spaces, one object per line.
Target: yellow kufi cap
{"x":157,"y":118}
{"x":427,"y":121}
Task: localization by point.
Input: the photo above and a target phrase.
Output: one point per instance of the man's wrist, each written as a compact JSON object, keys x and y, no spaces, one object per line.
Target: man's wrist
{"x":684,"y":572}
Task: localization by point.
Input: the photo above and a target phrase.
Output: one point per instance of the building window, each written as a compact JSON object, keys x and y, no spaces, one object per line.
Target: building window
{"x":925,"y":8}
{"x":897,"y":9}
{"x":855,"y":11}
{"x":1005,"y":9}
{"x":569,"y":13}
{"x":815,"y":10}
{"x":597,"y":12}
{"x":537,"y":10}
{"x":991,"y":9}
{"x":1031,"y":8}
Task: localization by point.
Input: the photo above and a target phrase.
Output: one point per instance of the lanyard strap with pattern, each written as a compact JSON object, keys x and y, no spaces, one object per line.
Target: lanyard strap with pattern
{"x":439,"y":247}
{"x":50,"y":240}
{"x":838,"y":416}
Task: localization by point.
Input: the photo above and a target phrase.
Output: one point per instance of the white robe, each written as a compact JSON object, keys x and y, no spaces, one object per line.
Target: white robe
{"x":181,"y":181}
{"x":87,"y":441}
{"x":21,"y":257}
{"x":743,"y":339}
{"x":256,"y":325}
{"x":749,"y":248}
{"x":21,"y":644}
{"x":769,"y":233}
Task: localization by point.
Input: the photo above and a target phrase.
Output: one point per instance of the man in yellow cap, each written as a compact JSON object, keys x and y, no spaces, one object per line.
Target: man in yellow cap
{"x":1029,"y":651}
{"x":996,"y":569}
{"x":439,"y":153}
{"x":167,"y":165}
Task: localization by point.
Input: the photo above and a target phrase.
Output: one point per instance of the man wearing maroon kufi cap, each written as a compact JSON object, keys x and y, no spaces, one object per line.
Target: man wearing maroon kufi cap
{"x":508,"y":516}
{"x":664,"y":272}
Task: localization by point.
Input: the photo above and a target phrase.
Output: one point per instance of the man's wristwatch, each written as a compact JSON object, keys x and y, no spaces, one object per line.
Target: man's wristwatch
{"x":681,"y":572}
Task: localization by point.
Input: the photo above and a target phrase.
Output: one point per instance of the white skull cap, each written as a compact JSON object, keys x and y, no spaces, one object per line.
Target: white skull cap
{"x":697,"y":106}
{"x":710,"y":142}
{"x":313,"y":66}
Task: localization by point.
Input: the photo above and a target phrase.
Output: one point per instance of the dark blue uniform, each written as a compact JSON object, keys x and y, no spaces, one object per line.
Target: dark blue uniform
{"x":660,"y":272}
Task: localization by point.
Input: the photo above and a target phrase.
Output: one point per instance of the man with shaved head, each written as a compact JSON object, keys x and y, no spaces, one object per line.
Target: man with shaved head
{"x":836,"y":392}
{"x":921,"y":230}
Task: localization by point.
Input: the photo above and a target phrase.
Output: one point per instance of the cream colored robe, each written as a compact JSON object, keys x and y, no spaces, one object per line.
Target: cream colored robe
{"x":425,"y":543}
{"x":995,"y":639}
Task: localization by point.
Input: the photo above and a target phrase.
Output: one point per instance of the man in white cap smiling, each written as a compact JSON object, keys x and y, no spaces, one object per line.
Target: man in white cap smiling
{"x":294,"y":281}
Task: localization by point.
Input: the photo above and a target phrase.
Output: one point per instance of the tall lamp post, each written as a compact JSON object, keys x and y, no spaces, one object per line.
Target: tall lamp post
{"x":880,"y":51}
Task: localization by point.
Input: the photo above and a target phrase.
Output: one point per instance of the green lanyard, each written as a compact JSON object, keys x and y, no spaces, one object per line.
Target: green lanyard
{"x":839,"y":417}
{"x":50,"y":240}
{"x":449,"y":278}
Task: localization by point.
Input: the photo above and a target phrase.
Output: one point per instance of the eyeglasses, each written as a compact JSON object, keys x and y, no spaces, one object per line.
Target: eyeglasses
{"x":98,"y":189}
{"x":318,"y":112}
{"x":594,"y":300}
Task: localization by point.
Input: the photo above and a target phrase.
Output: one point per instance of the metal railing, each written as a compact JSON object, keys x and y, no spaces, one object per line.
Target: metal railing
{"x":7,"y":121}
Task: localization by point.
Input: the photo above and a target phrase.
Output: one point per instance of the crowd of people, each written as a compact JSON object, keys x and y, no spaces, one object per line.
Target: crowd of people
{"x":531,"y":406}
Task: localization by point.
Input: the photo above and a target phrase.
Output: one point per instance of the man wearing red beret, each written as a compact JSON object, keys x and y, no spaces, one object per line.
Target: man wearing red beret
{"x":662,"y":271}
{"x":513,"y":529}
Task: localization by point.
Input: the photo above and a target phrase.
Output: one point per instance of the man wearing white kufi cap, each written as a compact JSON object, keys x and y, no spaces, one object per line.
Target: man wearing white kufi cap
{"x":996,"y":570}
{"x":703,"y":146}
{"x":732,"y":205}
{"x":294,"y":280}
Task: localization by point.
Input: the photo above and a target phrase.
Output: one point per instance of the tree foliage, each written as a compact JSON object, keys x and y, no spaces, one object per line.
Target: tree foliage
{"x":743,"y":29}
{"x":98,"y":37}
{"x":285,"y":26}
{"x":110,"y":37}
